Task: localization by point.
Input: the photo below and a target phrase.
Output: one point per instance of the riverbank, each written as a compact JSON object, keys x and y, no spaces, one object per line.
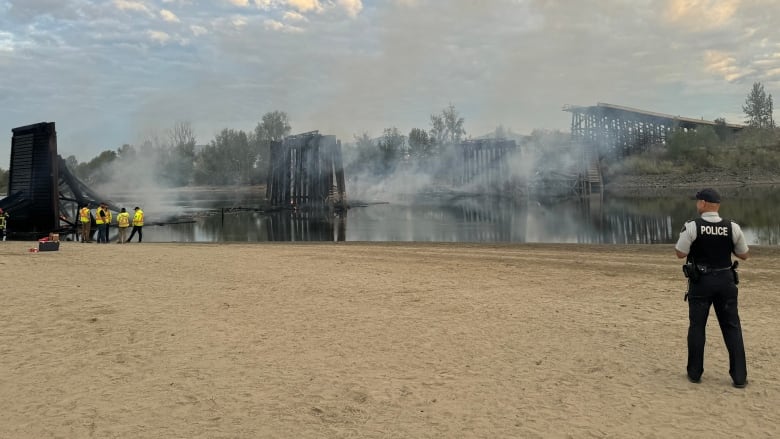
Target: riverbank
{"x":659,"y":185}
{"x":372,"y":340}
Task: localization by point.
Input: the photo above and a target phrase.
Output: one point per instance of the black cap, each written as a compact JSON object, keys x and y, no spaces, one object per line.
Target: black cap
{"x":136,"y":208}
{"x":709,"y":195}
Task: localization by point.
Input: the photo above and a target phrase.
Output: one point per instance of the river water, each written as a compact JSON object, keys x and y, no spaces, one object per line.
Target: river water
{"x":612,"y":220}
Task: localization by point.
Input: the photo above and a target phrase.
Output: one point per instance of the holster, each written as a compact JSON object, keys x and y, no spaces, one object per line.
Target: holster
{"x":691,"y":272}
{"x":734,"y":266}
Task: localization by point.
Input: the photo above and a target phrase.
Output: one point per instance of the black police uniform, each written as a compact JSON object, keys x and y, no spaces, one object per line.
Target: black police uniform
{"x":711,"y":252}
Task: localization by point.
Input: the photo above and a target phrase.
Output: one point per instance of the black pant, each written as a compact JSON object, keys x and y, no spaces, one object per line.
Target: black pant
{"x":140,"y":233}
{"x":717,"y":289}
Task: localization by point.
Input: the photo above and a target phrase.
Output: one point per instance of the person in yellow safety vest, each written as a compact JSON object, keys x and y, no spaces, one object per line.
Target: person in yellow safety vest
{"x":122,"y":222}
{"x":105,"y":216}
{"x":109,"y":217}
{"x":3,"y":223}
{"x":138,"y":224}
{"x":86,"y":223}
{"x":100,"y":220}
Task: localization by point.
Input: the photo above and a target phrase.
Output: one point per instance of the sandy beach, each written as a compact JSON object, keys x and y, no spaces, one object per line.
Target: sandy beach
{"x":372,"y":340}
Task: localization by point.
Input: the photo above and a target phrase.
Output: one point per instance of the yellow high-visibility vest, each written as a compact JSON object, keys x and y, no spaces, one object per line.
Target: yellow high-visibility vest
{"x":138,"y":218}
{"x":123,"y":219}
{"x":98,"y":217}
{"x":84,"y":214}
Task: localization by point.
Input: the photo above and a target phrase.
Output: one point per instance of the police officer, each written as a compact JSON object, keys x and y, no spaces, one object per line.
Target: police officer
{"x":708,"y":242}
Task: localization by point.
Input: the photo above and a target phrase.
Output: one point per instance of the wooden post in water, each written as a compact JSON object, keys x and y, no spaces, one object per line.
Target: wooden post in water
{"x":303,"y":170}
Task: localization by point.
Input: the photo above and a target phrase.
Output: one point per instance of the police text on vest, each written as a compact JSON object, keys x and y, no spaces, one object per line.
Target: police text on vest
{"x":714,"y":230}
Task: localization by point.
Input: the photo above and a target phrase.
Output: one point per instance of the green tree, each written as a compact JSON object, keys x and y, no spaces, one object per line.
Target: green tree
{"x":391,"y":147}
{"x":180,"y":157}
{"x":72,"y":163}
{"x":367,"y":157}
{"x":698,"y":148}
{"x":758,"y":108}
{"x":447,"y":127}
{"x":126,"y":152}
{"x":4,"y":181}
{"x":228,"y":159}
{"x":722,"y":130}
{"x":97,"y":170}
{"x":420,"y":144}
{"x":274,"y":127}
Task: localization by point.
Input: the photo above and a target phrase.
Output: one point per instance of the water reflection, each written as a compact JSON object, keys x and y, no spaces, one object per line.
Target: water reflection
{"x":483,"y":219}
{"x":306,"y":226}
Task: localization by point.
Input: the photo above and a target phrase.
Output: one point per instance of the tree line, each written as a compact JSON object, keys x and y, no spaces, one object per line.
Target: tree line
{"x":753,"y":150}
{"x":236,"y":157}
{"x":233,"y":157}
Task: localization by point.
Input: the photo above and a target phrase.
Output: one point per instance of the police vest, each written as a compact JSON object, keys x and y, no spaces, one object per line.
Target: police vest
{"x":713,"y":244}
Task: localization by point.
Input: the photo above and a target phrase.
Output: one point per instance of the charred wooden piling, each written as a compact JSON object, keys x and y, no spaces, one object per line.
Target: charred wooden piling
{"x":43,"y":194}
{"x":306,"y":170}
{"x":483,"y":163}
{"x":32,"y":199}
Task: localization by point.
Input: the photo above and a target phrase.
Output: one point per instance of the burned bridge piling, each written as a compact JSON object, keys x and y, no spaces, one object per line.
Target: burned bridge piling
{"x":306,"y":170}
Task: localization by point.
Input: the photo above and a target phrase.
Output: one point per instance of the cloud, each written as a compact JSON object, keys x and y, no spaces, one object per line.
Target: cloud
{"x":368,"y":65}
{"x":275,"y":25}
{"x":700,"y":15}
{"x":305,"y":5}
{"x":198,"y":30}
{"x":158,"y":36}
{"x":294,"y":17}
{"x":128,"y":5}
{"x":6,"y":42}
{"x":169,"y":16}
{"x":238,"y":22}
{"x":724,"y":65}
{"x":353,"y":7}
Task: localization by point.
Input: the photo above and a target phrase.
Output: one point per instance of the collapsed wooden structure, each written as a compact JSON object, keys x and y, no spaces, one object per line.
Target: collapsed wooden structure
{"x":306,"y":171}
{"x":43,"y":195}
{"x":484,"y":163}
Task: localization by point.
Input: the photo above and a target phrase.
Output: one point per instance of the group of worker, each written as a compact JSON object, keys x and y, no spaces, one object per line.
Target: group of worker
{"x":103,"y":219}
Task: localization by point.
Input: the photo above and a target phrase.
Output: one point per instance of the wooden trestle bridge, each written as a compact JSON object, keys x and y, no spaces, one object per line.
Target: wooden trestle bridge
{"x":621,"y":131}
{"x":606,"y":130}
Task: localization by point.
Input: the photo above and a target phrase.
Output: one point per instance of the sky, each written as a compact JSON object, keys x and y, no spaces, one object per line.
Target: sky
{"x":110,"y":72}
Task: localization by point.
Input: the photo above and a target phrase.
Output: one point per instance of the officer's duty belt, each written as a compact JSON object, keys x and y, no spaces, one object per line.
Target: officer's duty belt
{"x":708,"y":270}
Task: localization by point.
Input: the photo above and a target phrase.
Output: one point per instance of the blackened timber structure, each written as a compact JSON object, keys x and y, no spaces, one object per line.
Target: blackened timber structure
{"x":483,"y":162}
{"x":43,"y":194}
{"x":306,"y":170}
{"x":619,"y":131}
{"x":32,"y":200}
